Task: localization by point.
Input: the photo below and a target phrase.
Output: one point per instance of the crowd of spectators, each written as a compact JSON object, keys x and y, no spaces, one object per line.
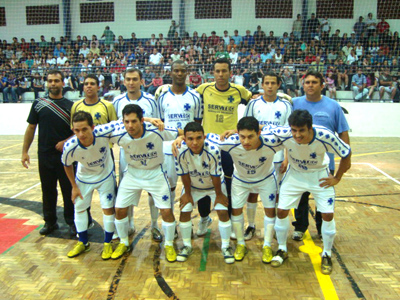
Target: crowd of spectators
{"x":369,"y":50}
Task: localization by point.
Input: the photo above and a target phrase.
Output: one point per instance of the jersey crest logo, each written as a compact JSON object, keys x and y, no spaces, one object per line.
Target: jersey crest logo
{"x":205,"y":165}
{"x":231,"y":99}
{"x":313,"y":155}
{"x":187,"y":107}
{"x":150,"y":146}
{"x":102,"y":149}
{"x":262,"y":159}
{"x":278,"y":114}
{"x":97,"y":115}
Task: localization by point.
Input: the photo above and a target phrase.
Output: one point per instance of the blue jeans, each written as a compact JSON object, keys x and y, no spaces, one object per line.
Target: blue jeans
{"x":13,"y":92}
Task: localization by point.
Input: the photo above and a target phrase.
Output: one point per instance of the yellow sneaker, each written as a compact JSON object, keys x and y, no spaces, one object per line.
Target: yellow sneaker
{"x":119,"y":251}
{"x":170,"y":253}
{"x":107,"y":251}
{"x":267,"y":255}
{"x":240,"y":252}
{"x":79,"y":248}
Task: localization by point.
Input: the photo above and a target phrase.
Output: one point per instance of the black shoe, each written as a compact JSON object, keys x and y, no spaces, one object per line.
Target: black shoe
{"x":47,"y":228}
{"x":72,"y":230}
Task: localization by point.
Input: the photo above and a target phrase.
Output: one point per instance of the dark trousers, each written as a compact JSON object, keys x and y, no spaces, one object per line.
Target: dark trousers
{"x":301,"y":214}
{"x":37,"y":90}
{"x":51,"y":170}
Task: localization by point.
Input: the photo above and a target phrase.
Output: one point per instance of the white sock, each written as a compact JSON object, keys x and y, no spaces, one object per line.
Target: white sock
{"x":81,"y":221}
{"x":169,"y":232}
{"x":109,"y":223}
{"x":122,"y":229}
{"x":186,"y":232}
{"x":251,"y":213}
{"x":269,"y":224}
{"x":153,"y":212}
{"x":203,"y":220}
{"x":282,"y":230}
{"x":238,"y":224}
{"x":328,"y":230}
{"x":225,"y":229}
{"x":130,"y":216}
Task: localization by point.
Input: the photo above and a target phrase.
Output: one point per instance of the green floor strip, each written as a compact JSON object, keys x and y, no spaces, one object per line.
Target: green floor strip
{"x":204,"y":251}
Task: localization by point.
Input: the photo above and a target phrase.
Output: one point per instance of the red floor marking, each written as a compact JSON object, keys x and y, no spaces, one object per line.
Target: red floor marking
{"x":13,"y":230}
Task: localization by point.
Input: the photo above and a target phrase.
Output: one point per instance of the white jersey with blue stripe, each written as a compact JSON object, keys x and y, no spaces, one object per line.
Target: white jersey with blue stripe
{"x":146,"y":102}
{"x":200,"y":166}
{"x":270,"y":113}
{"x":311,"y":157}
{"x":250,"y":166}
{"x":178,"y":110}
{"x":94,"y":162}
{"x":145,"y":152}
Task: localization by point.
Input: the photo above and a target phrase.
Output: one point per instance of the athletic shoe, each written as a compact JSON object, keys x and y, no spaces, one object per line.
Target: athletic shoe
{"x":298,"y":235}
{"x":184,"y":253}
{"x":79,"y":248}
{"x":156,"y":235}
{"x":279,"y":258}
{"x":267,"y":255}
{"x":240,"y":252}
{"x":170,"y":253}
{"x":249,"y":233}
{"x":326,"y":265}
{"x":47,"y":228}
{"x":119,"y":251}
{"x":228,"y":255}
{"x":107,"y":251}
{"x":203,"y":226}
{"x":233,"y":235}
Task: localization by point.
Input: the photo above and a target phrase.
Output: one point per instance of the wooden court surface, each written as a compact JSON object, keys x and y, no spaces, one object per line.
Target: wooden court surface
{"x":366,"y":248}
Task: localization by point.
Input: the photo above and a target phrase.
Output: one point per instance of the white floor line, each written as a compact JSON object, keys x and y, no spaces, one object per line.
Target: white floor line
{"x":380,"y":171}
{"x":18,"y":172}
{"x":24,"y":191}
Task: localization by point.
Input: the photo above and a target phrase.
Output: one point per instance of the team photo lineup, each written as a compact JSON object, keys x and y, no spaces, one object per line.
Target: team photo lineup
{"x":280,"y":151}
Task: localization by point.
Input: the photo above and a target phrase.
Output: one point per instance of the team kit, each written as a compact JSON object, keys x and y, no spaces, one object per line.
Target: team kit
{"x":274,"y":152}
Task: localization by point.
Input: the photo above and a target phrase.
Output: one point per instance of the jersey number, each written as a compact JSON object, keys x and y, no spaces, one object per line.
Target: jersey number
{"x":251,"y":171}
{"x":219,"y":118}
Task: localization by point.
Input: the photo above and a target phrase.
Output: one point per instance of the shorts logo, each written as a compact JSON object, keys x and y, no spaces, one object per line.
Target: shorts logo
{"x":330,"y":201}
{"x":165,"y":198}
{"x":109,"y":197}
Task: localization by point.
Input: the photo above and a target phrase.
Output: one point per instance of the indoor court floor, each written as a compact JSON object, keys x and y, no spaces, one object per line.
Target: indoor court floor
{"x":365,"y":257}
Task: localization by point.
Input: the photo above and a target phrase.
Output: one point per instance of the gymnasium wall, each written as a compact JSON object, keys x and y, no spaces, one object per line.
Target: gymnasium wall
{"x":243,"y":17}
{"x":365,"y":119}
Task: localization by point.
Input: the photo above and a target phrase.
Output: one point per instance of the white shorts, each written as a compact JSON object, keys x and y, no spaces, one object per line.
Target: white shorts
{"x":295,"y":183}
{"x":106,"y":189}
{"x":266,"y":188}
{"x":169,"y":164}
{"x":152,"y":181}
{"x":387,"y":89}
{"x":200,"y":194}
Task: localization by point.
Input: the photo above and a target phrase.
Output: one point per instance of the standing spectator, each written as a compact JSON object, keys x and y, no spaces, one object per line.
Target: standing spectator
{"x":109,"y":36}
{"x":359,"y":85}
{"x":53,"y":117}
{"x":371,"y":25}
{"x":330,"y":84}
{"x":172,"y":30}
{"x":359,"y":27}
{"x":312,"y":26}
{"x":297,"y":26}
{"x":325,"y":25}
{"x":342,"y":74}
{"x":289,"y":81}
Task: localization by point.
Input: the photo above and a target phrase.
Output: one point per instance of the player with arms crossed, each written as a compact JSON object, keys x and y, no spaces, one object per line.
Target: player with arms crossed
{"x":199,"y":165}
{"x":178,"y":106}
{"x":133,"y":80}
{"x":268,"y":109}
{"x":143,"y":147}
{"x":252,"y":154}
{"x":90,"y":149}
{"x":308,"y":170}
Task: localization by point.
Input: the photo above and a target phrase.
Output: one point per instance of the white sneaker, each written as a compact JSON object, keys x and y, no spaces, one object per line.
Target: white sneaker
{"x":228,"y":255}
{"x":203,"y":226}
{"x":184,"y":253}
